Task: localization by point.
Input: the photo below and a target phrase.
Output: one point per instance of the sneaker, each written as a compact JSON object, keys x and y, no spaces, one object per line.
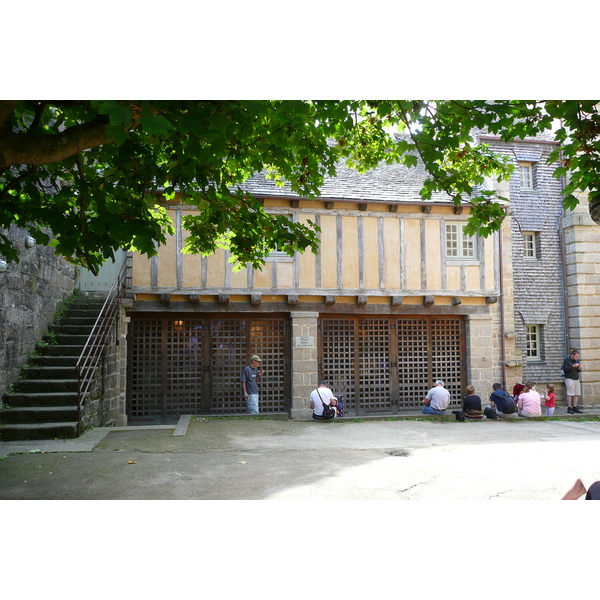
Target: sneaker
{"x":576,"y":409}
{"x":570,"y":410}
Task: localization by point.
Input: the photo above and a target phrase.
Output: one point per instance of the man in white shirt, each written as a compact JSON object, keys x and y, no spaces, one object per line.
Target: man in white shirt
{"x":318,"y":397}
{"x":437,"y":400}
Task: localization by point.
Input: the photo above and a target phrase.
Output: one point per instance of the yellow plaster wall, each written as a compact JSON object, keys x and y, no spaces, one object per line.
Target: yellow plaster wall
{"x":472,"y":277}
{"x":328,"y":252}
{"x":452,"y":278}
{"x":215,"y":269}
{"x":371,"y":252}
{"x":285,"y":274}
{"x":489,"y":263}
{"x":167,"y":261}
{"x":307,"y":261}
{"x":391,"y":236}
{"x":412,"y":228}
{"x":239,"y":279}
{"x":191,"y":269}
{"x":141,"y":270}
{"x":350,"y":252}
{"x":262,"y":278}
{"x":432,"y":243}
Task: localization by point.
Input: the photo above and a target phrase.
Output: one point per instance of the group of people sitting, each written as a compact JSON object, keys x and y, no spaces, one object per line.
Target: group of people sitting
{"x":526,"y":401}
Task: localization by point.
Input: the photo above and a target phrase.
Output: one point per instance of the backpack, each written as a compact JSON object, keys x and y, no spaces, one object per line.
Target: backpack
{"x":509,"y":405}
{"x":490,"y":412}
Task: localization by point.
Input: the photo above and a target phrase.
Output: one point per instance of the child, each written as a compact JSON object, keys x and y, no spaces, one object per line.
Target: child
{"x":549,"y":403}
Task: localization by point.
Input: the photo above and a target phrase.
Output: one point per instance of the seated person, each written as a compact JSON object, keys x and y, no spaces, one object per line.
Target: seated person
{"x":472,"y":404}
{"x":530,"y":401}
{"x":437,"y":400}
{"x":519,"y":387}
{"x":502,"y":401}
{"x":322,"y":396}
{"x":584,"y":485}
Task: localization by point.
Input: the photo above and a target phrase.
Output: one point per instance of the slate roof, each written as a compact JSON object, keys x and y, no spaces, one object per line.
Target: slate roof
{"x":387,"y":183}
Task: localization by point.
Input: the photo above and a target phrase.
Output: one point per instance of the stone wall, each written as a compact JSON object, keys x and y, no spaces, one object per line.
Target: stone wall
{"x":582,"y":258}
{"x":105,"y":403}
{"x":537,"y":284}
{"x":31,"y":291}
{"x":305,"y":362}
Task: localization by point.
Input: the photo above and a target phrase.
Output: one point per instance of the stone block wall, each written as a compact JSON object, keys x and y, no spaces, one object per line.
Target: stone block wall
{"x":582,"y":258}
{"x":305,"y":364}
{"x":31,"y":291}
{"x":105,"y":404}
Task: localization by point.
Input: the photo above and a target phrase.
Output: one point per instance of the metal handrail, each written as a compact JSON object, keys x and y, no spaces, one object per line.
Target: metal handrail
{"x":92,"y":351}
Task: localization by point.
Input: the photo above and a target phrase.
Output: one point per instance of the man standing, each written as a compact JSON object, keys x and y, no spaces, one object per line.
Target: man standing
{"x":572,"y":368}
{"x":250,"y":376}
{"x":437,"y":400}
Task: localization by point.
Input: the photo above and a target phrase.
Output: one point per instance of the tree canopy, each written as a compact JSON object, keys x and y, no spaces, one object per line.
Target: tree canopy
{"x":92,"y":171}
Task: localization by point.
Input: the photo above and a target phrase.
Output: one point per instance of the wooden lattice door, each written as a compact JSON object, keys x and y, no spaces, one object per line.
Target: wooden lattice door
{"x":430,"y":348}
{"x":145,"y":369}
{"x":233,"y":342}
{"x":355,"y":359}
{"x":385,"y":364}
{"x":166,"y":374}
{"x":183,"y":366}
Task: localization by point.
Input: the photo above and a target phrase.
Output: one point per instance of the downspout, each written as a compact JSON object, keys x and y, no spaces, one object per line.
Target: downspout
{"x":502,"y":326}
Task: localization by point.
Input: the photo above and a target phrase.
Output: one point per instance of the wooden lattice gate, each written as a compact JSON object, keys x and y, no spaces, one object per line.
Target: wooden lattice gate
{"x":383,"y":364}
{"x":182,"y":365}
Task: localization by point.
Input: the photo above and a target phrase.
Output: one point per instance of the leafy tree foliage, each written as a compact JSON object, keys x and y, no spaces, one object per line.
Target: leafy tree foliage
{"x":92,"y":172}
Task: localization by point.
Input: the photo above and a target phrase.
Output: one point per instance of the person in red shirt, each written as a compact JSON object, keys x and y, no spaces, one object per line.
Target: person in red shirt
{"x":519,"y":387}
{"x":549,"y":402}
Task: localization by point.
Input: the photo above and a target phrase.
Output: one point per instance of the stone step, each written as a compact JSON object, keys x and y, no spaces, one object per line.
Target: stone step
{"x":68,"y":339}
{"x":60,"y":350}
{"x":38,"y":431}
{"x":37,"y":372}
{"x":46,"y":385}
{"x":79,"y":320}
{"x":37,"y":414}
{"x":83,"y":313}
{"x":54,"y":361}
{"x":43,"y":404}
{"x":76,"y":329}
{"x":23,"y":399}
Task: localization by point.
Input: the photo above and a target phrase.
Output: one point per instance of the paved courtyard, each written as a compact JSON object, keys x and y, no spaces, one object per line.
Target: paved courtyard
{"x":256,"y":459}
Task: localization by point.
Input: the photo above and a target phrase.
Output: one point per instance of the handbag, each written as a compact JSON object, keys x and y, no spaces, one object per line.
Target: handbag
{"x":328,"y":411}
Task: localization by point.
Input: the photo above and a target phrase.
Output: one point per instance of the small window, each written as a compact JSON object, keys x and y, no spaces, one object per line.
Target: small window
{"x":526,"y":170}
{"x":530,"y":251}
{"x":534,"y":343}
{"x":280,"y":255}
{"x":458,"y":244}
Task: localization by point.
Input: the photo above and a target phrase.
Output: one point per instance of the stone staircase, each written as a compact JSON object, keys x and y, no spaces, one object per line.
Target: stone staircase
{"x":42,"y":404}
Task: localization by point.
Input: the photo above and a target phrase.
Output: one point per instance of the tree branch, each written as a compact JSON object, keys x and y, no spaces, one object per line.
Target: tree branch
{"x":6,"y":108}
{"x":20,"y":149}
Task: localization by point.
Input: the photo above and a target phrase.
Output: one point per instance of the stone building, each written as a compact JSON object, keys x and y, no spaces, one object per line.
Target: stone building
{"x":397,"y":297}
